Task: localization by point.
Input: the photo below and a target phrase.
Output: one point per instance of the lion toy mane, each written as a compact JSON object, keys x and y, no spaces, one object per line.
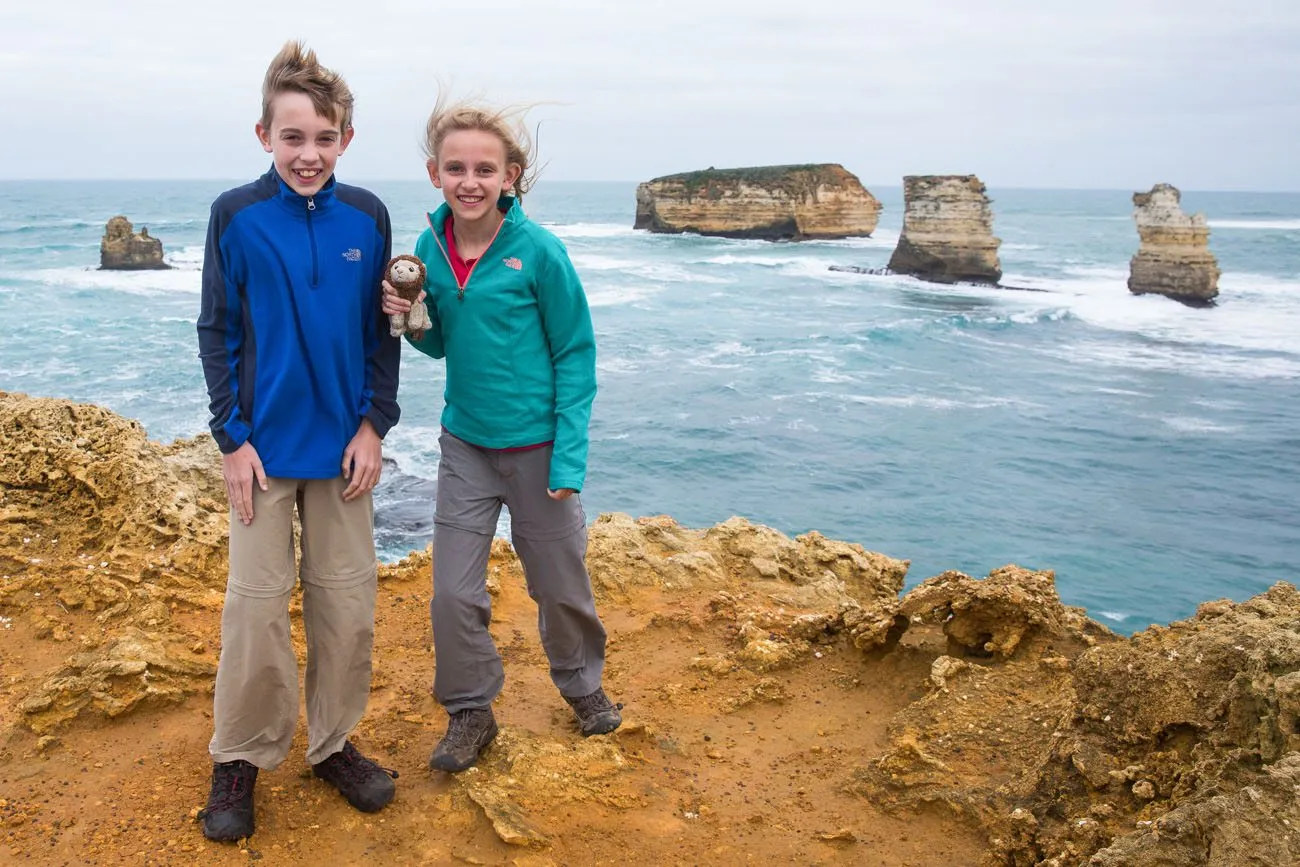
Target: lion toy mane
{"x":406,"y":274}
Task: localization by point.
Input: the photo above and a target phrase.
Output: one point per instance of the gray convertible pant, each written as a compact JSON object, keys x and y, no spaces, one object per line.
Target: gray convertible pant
{"x":550,"y":537}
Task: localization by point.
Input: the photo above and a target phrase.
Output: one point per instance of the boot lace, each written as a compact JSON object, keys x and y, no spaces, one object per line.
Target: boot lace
{"x":464,"y":728}
{"x":231,"y":782}
{"x":597,"y":703}
{"x":355,"y":768}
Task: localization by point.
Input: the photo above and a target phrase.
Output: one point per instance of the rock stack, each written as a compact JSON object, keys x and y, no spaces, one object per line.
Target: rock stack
{"x":774,"y":203}
{"x":123,"y":249}
{"x":947,"y":231}
{"x":1174,"y":258}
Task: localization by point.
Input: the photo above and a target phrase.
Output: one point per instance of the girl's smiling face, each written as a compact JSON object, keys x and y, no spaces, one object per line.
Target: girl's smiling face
{"x":472,"y":172}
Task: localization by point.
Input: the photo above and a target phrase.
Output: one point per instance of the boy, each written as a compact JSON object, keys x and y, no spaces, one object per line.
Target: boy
{"x":302,"y":377}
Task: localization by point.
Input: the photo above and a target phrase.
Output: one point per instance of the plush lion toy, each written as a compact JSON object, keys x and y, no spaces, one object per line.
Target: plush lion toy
{"x":406,"y":274}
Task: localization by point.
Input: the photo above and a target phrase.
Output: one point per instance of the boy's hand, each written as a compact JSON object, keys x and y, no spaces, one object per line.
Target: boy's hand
{"x":561,"y":494}
{"x":239,"y":468}
{"x":363,"y":461}
{"x":394,"y":303}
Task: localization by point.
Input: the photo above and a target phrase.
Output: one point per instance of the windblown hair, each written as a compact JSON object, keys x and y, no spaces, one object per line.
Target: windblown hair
{"x":506,"y":124}
{"x":296,"y":70}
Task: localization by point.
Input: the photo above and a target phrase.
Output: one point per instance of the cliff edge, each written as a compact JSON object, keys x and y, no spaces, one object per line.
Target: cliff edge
{"x":785,"y":701}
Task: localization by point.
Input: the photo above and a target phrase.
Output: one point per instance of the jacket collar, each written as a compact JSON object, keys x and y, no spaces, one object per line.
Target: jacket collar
{"x":509,"y":205}
{"x":323,"y":197}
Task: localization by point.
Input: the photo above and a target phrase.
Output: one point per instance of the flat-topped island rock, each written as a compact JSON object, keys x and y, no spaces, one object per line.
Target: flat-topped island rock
{"x":774,"y":203}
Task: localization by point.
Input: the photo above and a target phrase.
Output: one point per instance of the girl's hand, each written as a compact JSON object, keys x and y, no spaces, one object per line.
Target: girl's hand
{"x":394,"y":303}
{"x":561,"y":494}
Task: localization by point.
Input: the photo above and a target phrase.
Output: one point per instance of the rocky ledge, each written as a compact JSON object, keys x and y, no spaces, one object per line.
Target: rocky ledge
{"x":785,"y":699}
{"x":947,"y":232}
{"x":124,"y":249}
{"x":1174,"y":257}
{"x":775,"y":203}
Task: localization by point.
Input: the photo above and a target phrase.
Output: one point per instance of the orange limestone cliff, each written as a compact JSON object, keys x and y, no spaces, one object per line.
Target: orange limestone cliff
{"x":947,"y":231}
{"x":786,"y":700}
{"x":774,"y":203}
{"x":1174,"y":259}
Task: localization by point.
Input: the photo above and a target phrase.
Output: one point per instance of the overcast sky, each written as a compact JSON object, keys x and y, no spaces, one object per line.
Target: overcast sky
{"x":1204,"y":94}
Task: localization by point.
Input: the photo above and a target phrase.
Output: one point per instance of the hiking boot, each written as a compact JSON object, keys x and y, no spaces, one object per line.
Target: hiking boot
{"x":367,"y":786}
{"x":229,"y":813}
{"x":596,"y":714}
{"x":468,"y":732}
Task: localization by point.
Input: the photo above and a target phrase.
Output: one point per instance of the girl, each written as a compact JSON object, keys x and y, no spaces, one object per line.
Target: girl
{"x":510,"y":316}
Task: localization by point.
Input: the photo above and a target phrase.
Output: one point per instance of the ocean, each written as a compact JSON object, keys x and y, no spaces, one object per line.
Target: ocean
{"x":1145,"y":451}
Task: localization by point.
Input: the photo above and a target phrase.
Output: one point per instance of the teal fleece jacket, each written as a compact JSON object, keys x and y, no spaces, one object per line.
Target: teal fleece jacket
{"x":518,"y":339}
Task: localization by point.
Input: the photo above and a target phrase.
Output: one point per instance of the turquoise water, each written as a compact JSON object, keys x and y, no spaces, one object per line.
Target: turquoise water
{"x":1145,"y":451}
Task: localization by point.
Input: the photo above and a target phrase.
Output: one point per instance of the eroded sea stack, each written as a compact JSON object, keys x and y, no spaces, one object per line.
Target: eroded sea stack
{"x":1174,"y":259}
{"x":124,"y":249}
{"x":947,"y":231}
{"x":774,"y":203}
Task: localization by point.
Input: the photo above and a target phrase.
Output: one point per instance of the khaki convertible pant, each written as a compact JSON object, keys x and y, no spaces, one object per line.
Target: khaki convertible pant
{"x":255,"y":709}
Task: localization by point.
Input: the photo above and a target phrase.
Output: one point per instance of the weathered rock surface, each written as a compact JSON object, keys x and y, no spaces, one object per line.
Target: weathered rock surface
{"x":123,"y":249}
{"x":81,"y":478}
{"x":947,"y":232}
{"x":783,"y":700}
{"x":767,"y":202}
{"x":995,"y":616}
{"x":885,"y":272}
{"x":859,"y":269}
{"x":98,"y":523}
{"x":131,"y":668}
{"x":1176,"y":746}
{"x":1174,"y":257}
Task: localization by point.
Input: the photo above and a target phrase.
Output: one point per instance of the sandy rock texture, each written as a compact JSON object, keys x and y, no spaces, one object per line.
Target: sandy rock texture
{"x":786,"y":702}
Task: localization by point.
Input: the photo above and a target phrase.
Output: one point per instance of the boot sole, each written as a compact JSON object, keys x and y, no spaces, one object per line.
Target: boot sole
{"x":227,"y":836}
{"x":602,"y":729}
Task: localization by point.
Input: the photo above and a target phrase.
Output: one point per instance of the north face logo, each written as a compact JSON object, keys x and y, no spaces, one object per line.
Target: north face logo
{"x":352,"y":255}
{"x":514,"y":263}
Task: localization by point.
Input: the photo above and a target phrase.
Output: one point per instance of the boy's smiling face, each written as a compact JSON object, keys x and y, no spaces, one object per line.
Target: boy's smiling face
{"x":304,"y":145}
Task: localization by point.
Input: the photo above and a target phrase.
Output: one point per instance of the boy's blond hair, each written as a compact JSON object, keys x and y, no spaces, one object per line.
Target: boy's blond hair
{"x":504,"y":123}
{"x":296,"y":70}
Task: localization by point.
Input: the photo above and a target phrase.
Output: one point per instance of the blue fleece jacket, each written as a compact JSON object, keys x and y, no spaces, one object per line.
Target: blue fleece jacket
{"x":295,"y":349}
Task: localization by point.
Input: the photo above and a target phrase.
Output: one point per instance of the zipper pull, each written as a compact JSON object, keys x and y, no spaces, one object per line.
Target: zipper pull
{"x":311,"y":203}
{"x":460,"y":293}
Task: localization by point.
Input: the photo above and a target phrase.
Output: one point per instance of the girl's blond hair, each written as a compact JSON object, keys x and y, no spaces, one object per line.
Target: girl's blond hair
{"x":507,"y":124}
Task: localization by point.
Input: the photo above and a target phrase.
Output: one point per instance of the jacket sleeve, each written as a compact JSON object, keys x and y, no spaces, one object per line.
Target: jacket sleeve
{"x":383,"y":351}
{"x":431,"y":343}
{"x":221,"y":335}
{"x":566,"y":320}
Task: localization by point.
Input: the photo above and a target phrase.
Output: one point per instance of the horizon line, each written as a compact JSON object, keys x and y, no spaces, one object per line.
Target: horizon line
{"x":355,"y":181}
